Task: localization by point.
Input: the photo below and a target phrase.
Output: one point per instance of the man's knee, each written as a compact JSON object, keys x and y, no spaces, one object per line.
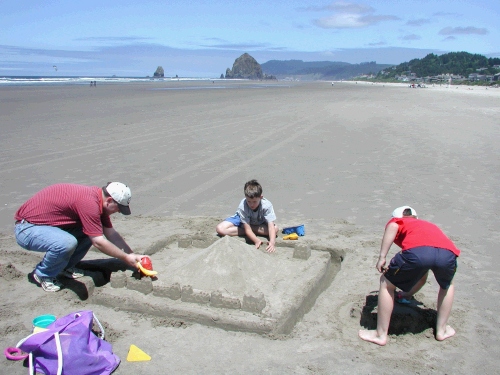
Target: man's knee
{"x":68,"y":245}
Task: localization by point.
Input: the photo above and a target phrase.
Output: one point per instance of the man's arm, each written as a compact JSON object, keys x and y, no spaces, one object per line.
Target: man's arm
{"x":114,"y":237}
{"x":389,"y":235}
{"x":112,"y":244}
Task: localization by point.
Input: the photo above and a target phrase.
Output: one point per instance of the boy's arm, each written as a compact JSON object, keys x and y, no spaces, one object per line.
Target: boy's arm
{"x":389,"y":235}
{"x":271,"y":229}
{"x":251,"y":235}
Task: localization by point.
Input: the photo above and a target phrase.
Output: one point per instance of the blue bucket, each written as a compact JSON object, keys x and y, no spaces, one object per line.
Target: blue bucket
{"x":299,"y":229}
{"x":43,"y":321}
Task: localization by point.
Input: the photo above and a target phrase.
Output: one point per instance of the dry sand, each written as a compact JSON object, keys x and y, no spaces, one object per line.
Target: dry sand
{"x":337,"y":158}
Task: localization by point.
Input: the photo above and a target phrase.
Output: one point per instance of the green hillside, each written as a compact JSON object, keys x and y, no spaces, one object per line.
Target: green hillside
{"x":328,"y":70}
{"x":456,"y":63}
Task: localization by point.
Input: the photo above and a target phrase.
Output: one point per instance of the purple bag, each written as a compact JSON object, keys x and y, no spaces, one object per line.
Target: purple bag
{"x":69,"y":347}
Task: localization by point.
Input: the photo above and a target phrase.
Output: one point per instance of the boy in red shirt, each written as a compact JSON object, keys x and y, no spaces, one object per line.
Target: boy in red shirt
{"x":424,"y":247}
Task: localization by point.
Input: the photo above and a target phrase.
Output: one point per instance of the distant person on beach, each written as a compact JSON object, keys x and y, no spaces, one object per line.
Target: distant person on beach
{"x":64,"y":220}
{"x":255,"y":217}
{"x":424,"y":247}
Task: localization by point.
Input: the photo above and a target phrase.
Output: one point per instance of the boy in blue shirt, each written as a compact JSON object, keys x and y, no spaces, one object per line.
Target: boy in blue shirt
{"x":255,"y":217}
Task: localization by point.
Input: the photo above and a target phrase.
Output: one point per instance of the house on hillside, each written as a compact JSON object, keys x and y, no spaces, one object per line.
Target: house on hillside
{"x":456,"y":77}
{"x":477,"y":77}
{"x":444,"y":78}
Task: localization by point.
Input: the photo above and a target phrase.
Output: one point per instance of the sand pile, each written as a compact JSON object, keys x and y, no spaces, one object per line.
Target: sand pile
{"x":228,"y":264}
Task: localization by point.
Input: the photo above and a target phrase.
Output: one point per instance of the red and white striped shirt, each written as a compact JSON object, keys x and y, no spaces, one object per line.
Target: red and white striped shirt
{"x":67,"y":206}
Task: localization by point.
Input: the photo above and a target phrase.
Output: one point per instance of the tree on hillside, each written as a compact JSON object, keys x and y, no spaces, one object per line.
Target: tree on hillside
{"x":458,"y":63}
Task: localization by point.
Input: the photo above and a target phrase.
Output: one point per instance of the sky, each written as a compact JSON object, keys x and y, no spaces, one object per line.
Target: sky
{"x":201,"y":38}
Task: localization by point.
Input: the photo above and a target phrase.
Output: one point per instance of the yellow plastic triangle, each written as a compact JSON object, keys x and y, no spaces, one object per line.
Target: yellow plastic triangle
{"x":135,"y":355}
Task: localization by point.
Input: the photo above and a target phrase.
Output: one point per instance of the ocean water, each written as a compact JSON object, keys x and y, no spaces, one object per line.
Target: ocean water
{"x":218,"y":83}
{"x":52,"y":80}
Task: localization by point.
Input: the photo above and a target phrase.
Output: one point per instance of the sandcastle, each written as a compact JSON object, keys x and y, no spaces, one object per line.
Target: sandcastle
{"x":229,"y":284}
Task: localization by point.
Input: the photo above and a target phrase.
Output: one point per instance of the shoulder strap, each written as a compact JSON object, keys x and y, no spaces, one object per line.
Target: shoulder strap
{"x":59,"y":357}
{"x":101,"y":335}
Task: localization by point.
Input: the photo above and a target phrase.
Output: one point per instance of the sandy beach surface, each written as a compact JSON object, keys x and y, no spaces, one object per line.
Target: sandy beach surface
{"x":336,"y":158}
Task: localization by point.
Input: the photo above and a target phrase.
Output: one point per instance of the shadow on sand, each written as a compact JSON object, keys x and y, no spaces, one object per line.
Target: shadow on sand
{"x":97,"y":274}
{"x":407,"y":318}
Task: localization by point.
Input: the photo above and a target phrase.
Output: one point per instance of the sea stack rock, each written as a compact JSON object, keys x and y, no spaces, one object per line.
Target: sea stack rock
{"x":159,"y":72}
{"x":246,"y":67}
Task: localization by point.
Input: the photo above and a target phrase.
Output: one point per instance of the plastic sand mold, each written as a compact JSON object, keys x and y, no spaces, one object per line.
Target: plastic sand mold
{"x":299,"y":229}
{"x":136,"y":355}
{"x":43,"y":321}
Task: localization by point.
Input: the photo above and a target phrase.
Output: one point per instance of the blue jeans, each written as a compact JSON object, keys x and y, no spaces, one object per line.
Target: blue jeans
{"x":63,"y":248}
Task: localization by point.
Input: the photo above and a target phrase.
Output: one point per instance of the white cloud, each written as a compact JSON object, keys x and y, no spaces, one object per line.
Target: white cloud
{"x":350,"y":16}
{"x":340,"y":21}
{"x":344,"y":6}
{"x":469,"y":30}
{"x":341,"y":6}
{"x":418,"y":22}
{"x":351,"y":21}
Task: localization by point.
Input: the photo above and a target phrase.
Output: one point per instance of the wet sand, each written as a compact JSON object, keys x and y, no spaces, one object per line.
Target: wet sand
{"x":337,"y":158}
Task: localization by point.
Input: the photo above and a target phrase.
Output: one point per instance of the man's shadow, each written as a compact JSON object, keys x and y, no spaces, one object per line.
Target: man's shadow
{"x":97,"y":273}
{"x":406,"y":318}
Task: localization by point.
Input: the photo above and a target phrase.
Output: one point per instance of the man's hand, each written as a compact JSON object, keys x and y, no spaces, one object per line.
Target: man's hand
{"x":132,"y":259}
{"x":258,"y":243}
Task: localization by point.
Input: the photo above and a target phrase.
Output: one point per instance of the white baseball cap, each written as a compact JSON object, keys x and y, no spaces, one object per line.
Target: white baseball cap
{"x":121,"y":194}
{"x":398,"y":212}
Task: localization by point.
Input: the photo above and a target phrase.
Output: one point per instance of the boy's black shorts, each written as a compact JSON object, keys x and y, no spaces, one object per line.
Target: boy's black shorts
{"x":409,"y":266}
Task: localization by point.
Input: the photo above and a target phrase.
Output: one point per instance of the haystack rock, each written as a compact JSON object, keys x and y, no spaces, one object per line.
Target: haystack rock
{"x":245,"y":66}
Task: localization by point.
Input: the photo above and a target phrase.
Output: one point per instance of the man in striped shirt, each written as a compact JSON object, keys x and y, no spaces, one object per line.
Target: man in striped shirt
{"x":64,"y":220}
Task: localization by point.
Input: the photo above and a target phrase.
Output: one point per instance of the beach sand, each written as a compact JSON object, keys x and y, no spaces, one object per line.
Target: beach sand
{"x":336,"y":158}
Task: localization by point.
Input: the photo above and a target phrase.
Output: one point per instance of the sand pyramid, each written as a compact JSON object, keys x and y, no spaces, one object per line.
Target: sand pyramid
{"x":228,"y":264}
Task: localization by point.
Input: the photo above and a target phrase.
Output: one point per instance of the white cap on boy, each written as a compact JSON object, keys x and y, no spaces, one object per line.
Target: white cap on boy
{"x":398,"y":212}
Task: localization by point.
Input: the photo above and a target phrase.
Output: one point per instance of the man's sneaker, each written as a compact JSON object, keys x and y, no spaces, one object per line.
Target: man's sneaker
{"x":49,"y":284}
{"x":73,"y":273}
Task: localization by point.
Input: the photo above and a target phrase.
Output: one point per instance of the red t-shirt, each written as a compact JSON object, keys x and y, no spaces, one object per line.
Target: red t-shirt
{"x":67,"y":206}
{"x":415,"y":232}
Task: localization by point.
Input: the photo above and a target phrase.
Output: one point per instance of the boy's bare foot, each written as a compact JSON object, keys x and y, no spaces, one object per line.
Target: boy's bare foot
{"x":371,"y":336}
{"x":448,"y":332}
